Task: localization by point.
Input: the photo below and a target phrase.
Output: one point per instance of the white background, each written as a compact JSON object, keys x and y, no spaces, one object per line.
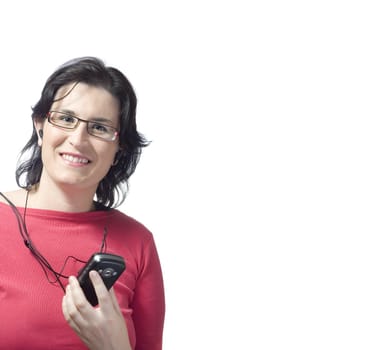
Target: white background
{"x":266,"y":183}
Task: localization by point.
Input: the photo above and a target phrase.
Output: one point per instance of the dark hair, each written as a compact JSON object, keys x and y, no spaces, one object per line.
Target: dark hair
{"x":113,"y":188}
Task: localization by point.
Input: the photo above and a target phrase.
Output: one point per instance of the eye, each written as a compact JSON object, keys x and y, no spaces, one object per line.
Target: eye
{"x":98,"y":128}
{"x":64,"y":119}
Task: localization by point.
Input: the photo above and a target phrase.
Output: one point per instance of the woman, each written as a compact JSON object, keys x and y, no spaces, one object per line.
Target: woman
{"x":73,"y":173}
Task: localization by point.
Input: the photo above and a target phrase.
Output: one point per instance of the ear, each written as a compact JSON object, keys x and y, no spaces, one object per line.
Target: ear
{"x":38,"y":125}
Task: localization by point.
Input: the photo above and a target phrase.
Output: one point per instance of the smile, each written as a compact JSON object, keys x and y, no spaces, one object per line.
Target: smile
{"x":74,"y":159}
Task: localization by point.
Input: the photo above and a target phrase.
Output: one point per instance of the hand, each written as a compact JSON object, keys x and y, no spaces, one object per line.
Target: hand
{"x":102,"y":327}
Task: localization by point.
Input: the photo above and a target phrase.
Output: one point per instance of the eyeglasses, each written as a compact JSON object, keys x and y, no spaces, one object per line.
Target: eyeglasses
{"x":70,"y":122}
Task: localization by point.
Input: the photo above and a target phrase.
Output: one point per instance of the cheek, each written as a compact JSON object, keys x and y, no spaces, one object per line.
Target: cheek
{"x":48,"y":143}
{"x":107,"y":157}
{"x":52,"y":137}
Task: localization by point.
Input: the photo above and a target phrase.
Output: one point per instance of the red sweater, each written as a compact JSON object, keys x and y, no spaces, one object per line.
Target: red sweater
{"x":30,"y":307}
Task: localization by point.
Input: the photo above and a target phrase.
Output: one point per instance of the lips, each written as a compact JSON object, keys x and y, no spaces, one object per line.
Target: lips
{"x":75,"y":159}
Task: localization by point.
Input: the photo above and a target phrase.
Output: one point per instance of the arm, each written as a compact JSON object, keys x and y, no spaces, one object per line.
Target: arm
{"x":149,"y":301}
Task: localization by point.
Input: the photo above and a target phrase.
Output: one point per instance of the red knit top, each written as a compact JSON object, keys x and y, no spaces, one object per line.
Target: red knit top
{"x":30,"y":307}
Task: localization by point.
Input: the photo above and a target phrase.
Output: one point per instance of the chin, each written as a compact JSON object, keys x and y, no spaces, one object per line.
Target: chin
{"x":77,"y":184}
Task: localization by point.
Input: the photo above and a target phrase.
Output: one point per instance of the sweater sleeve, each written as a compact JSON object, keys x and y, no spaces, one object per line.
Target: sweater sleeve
{"x":149,"y":301}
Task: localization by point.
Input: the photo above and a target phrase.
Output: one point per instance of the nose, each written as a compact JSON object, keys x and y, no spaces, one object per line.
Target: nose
{"x":79,"y":135}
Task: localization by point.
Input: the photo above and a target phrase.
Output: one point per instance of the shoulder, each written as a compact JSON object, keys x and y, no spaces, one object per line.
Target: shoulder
{"x":124,"y":222}
{"x":129,"y":237}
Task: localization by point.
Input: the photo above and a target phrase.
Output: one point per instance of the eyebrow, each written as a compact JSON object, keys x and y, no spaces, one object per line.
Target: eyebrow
{"x":96,"y":119}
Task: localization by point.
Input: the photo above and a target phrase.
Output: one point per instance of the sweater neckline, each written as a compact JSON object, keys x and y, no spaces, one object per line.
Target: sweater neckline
{"x":48,"y":213}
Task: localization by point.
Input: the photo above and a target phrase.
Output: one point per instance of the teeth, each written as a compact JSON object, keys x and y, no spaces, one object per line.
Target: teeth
{"x":75,"y":159}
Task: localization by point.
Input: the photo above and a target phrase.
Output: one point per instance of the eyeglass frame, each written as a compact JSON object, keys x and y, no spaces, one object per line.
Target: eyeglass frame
{"x":115,"y":136}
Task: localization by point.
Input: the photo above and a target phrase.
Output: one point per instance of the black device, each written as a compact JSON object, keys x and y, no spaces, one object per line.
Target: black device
{"x":109,"y":266}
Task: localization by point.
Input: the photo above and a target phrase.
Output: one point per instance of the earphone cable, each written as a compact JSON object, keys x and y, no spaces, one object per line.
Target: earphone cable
{"x":45,"y":265}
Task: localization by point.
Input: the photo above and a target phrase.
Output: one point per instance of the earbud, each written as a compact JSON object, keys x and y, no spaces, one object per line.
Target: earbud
{"x":40,"y":133}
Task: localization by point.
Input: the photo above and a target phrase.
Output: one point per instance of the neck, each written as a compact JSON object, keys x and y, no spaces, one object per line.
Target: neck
{"x":60,"y":199}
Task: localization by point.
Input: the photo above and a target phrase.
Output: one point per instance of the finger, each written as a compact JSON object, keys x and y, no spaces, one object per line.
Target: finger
{"x":68,"y":319}
{"x":70,"y":312}
{"x":78,"y":299}
{"x":115,"y":302}
{"x":101,"y":291}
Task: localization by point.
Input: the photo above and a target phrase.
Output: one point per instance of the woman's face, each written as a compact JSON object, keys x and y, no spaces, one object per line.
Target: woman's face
{"x":74,"y":157}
